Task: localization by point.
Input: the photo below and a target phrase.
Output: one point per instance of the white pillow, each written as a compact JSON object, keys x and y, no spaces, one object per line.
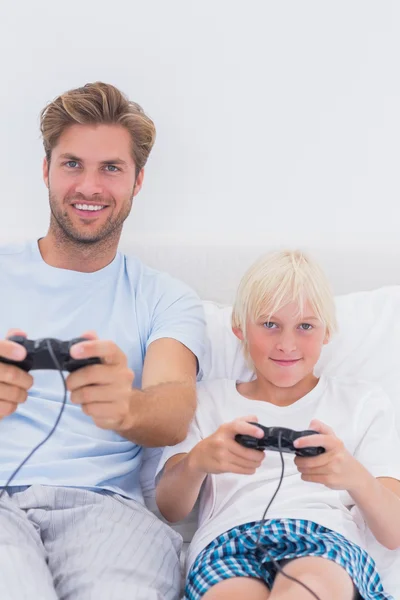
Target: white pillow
{"x":367,"y":347}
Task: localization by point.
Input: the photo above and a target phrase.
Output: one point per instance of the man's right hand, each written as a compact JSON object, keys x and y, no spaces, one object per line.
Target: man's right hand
{"x":14,"y":382}
{"x":220,"y":453}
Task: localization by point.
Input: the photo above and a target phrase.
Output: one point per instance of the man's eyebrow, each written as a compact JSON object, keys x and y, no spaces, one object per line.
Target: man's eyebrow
{"x":111,"y":161}
{"x":70,"y":157}
{"x":115,"y":161}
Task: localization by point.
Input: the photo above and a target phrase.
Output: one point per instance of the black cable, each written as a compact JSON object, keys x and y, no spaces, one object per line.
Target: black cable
{"x":262,"y":522}
{"x":48,"y":436}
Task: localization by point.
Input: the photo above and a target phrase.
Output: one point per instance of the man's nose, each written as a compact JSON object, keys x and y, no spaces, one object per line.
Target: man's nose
{"x":89,"y":184}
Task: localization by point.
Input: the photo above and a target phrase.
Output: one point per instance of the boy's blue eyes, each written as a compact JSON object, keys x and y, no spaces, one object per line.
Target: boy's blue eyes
{"x":272,"y":325}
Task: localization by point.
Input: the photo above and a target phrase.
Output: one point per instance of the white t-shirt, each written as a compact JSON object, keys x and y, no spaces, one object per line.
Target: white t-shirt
{"x":359,"y":413}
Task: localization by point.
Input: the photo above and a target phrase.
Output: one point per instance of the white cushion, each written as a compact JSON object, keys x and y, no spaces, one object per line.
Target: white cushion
{"x":366,"y":347}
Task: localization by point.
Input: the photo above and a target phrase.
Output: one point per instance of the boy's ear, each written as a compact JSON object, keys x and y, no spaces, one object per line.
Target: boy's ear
{"x":239,"y":333}
{"x":327,"y":338}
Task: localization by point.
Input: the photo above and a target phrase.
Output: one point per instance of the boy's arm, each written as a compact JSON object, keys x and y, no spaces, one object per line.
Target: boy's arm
{"x":370,"y":476}
{"x":178,"y":488}
{"x":379,"y":501}
{"x":184,"y":473}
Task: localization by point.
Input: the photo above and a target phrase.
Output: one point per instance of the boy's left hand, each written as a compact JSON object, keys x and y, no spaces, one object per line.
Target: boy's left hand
{"x":336,"y":468}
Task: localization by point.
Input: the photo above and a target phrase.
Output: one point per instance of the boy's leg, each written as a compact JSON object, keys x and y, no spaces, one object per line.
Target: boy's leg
{"x":238,"y":588}
{"x":23,"y":570}
{"x":103,"y":547}
{"x":325,"y":578}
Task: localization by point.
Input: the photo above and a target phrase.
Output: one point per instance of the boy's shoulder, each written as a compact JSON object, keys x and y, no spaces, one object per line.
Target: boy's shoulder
{"x":213,"y":386}
{"x":338,"y":382}
{"x":356,"y":391}
{"x":214,"y":391}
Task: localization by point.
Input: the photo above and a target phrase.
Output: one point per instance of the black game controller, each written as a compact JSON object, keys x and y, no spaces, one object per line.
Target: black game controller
{"x":270,"y":441}
{"x":39,"y":357}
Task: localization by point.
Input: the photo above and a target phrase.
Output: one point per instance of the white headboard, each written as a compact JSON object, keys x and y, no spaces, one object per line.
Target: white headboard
{"x":214,"y":270}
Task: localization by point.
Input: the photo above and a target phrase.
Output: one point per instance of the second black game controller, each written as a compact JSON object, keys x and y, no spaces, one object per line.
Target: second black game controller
{"x":271,"y":437}
{"x":38,"y":355}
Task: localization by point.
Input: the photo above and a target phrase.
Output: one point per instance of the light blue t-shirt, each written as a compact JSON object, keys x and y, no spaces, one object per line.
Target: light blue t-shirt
{"x":126,"y":302}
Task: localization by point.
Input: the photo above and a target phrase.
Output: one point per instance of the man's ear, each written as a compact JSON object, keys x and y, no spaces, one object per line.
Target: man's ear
{"x":46,"y":168}
{"x":138,"y":182}
{"x":239,"y":333}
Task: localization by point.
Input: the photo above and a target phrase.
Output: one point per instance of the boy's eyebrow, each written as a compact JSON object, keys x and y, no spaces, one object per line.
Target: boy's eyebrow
{"x":274,"y":318}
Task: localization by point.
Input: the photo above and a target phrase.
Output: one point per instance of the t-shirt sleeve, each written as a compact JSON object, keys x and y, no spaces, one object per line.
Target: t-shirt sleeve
{"x":178,"y":314}
{"x":379,"y":447}
{"x":193,"y":437}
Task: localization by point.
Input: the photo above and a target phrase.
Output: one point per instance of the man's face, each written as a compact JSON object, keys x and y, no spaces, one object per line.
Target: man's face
{"x":91,"y":181}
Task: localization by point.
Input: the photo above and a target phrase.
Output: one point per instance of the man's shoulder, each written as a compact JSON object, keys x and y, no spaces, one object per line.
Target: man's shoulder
{"x":150,"y":281}
{"x":14,"y":250}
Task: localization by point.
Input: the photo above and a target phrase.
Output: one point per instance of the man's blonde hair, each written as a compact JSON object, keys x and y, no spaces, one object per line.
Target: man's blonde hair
{"x":278,"y":279}
{"x":96,"y":104}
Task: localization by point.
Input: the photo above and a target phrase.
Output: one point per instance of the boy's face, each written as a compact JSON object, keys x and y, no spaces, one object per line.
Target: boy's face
{"x":285,"y":348}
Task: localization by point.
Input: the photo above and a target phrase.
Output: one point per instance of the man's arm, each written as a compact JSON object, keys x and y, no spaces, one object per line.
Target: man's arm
{"x":164,"y":407}
{"x":157,"y":415}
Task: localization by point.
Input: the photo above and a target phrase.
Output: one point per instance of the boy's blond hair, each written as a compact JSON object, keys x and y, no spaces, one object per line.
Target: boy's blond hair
{"x":277,"y":279}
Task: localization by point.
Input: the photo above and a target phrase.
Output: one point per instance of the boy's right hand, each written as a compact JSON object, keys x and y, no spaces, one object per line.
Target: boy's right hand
{"x":220,"y":453}
{"x":14,"y":382}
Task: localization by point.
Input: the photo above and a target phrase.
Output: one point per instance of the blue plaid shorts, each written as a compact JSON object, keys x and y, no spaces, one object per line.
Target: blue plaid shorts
{"x":233,"y":554}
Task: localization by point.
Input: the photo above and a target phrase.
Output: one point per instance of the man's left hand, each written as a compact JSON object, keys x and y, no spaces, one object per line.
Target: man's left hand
{"x":104,"y":391}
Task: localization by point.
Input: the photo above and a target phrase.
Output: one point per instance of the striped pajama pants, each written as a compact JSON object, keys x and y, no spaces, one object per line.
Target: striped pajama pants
{"x":75,"y":544}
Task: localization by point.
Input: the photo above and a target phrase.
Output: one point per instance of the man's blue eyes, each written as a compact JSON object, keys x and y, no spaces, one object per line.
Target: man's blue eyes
{"x":73,"y":164}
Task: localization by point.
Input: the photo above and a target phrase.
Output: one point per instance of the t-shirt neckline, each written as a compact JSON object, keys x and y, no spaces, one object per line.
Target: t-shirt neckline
{"x":315,"y":393}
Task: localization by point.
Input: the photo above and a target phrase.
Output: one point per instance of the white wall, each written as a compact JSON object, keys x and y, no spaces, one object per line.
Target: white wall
{"x":277,"y":120}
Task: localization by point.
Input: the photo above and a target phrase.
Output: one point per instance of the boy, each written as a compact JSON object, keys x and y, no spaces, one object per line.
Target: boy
{"x":284,"y":313}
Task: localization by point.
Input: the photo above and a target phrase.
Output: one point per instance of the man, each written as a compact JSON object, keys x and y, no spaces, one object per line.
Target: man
{"x":72,"y":522}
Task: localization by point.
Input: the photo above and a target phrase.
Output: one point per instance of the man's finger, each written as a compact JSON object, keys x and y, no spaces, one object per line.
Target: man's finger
{"x":12,"y":393}
{"x":16,"y":331}
{"x":103,"y":414}
{"x":12,"y":350}
{"x":90,"y":375}
{"x":106,"y":350}
{"x":6,"y":408}
{"x":94,"y":394}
